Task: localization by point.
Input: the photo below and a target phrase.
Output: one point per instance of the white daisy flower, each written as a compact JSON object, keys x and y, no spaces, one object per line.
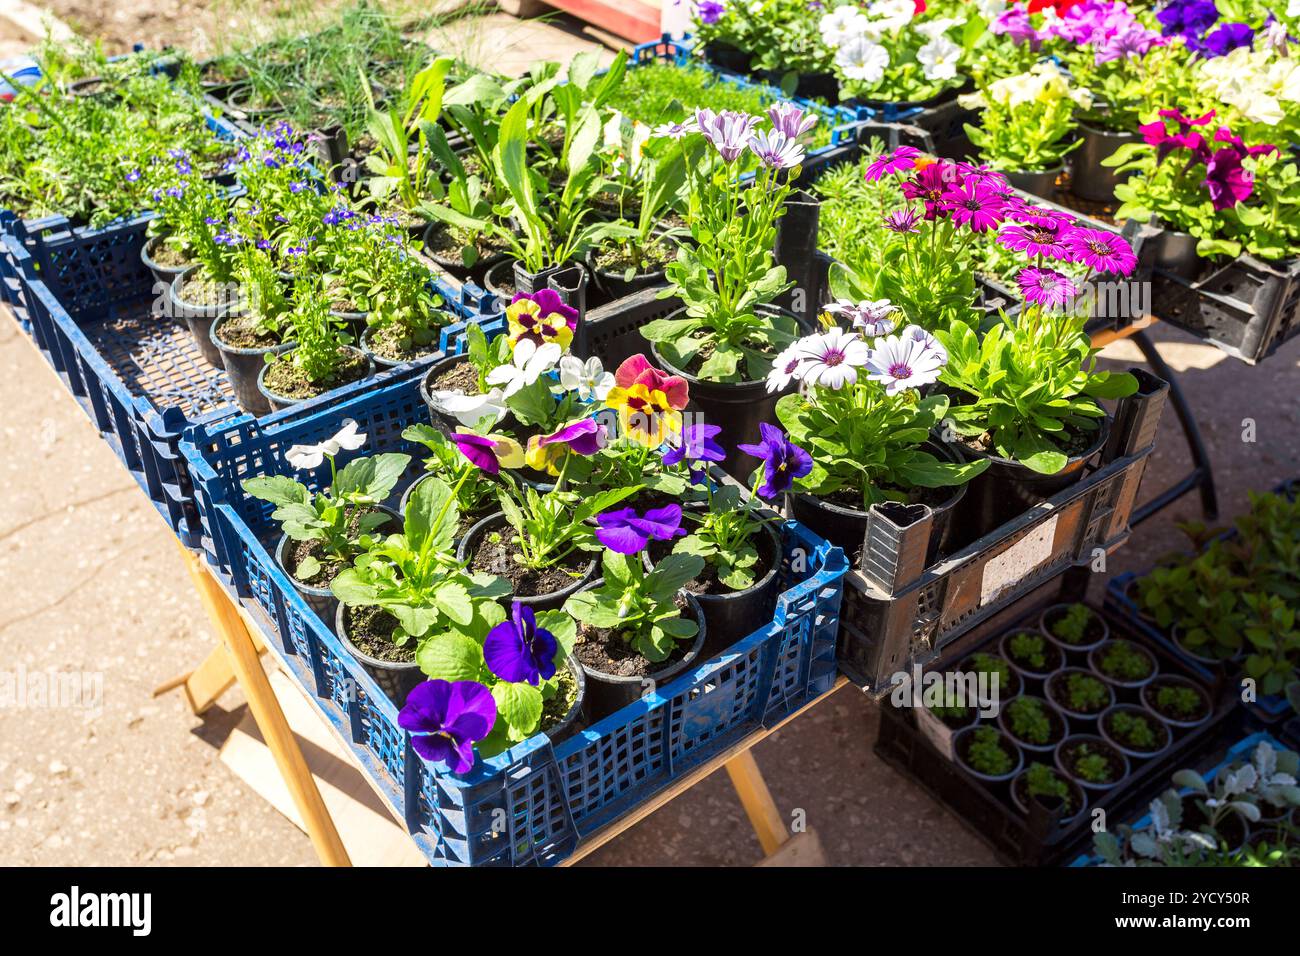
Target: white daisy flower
{"x":832,"y":358}
{"x":901,"y":362}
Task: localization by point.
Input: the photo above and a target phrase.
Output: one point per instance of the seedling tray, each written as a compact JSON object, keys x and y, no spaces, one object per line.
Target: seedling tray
{"x":898,"y":611}
{"x":1241,"y":750}
{"x":1247,"y":307}
{"x":534,"y":804}
{"x":989,"y":812}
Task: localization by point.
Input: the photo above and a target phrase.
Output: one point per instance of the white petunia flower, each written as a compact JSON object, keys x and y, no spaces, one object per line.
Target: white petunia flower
{"x":528,"y":363}
{"x":842,"y":24}
{"x":933,"y":29}
{"x":990,"y":10}
{"x":861,"y":59}
{"x":589,"y":379}
{"x":307,"y":457}
{"x":939,"y":59}
{"x":891,"y":14}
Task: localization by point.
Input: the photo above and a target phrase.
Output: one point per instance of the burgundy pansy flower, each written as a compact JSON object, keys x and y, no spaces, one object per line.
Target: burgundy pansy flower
{"x":445,"y":718}
{"x":519,"y":651}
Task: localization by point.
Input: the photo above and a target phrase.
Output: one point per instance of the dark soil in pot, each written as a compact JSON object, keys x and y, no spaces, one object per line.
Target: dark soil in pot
{"x":1007,"y":489}
{"x":366,"y":633}
{"x":389,"y":346}
{"x":617,"y":675}
{"x":1059,"y":623}
{"x":1177,"y":701}
{"x":1135,"y":731}
{"x":1123,"y":663}
{"x":198,"y":301}
{"x":283,"y":385}
{"x":243,"y":353}
{"x":445,"y":250}
{"x":977,"y":745}
{"x":1037,"y":658}
{"x":487,"y":547}
{"x":164,"y":262}
{"x":1069,"y":806}
{"x":1091,"y":762}
{"x":609,"y":268}
{"x":451,"y":374}
{"x":561,"y":715}
{"x":1081,"y":695}
{"x":733,"y":615}
{"x":289,"y":554}
{"x":1033,"y":723}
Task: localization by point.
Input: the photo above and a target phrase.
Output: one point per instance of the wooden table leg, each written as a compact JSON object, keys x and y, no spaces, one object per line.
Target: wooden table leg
{"x":757,"y":801}
{"x":247,"y":667}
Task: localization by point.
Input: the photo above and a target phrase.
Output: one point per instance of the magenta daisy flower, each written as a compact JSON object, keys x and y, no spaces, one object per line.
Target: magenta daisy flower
{"x":902,"y":220}
{"x":930,"y":184}
{"x":900,"y":159}
{"x":1032,"y":215}
{"x":1037,"y":240}
{"x":973,"y":205}
{"x":1045,"y":287}
{"x":1102,"y":251}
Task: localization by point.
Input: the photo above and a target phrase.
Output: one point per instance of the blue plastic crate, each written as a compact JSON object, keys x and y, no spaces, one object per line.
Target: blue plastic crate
{"x":549,"y":796}
{"x":1241,"y":750}
{"x":13,"y":263}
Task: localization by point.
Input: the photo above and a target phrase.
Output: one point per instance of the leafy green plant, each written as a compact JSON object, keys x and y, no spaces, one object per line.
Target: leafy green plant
{"x":986,"y":752}
{"x":993,"y":665}
{"x":1085,"y":694}
{"x":1029,"y":649}
{"x":1025,"y":119}
{"x":474,"y":498}
{"x":1135,"y":730}
{"x":1073,"y":625}
{"x":1181,"y":702}
{"x":1029,"y":721}
{"x":1121,"y":660}
{"x":400,"y":162}
{"x":1044,"y":781}
{"x":641,"y":608}
{"x":1091,"y":765}
{"x":320,"y":337}
{"x":549,"y":527}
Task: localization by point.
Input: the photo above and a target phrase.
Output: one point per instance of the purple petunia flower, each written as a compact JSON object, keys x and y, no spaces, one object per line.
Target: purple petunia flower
{"x":697,"y":444}
{"x":1225,"y":179}
{"x":1188,"y":19}
{"x":1037,"y":240}
{"x":783,"y":461}
{"x":627,"y":532}
{"x":790,"y":119}
{"x":1227,"y":37}
{"x":776,"y":150}
{"x":974,"y":206}
{"x":905,"y":361}
{"x":1015,"y":23}
{"x":709,"y":11}
{"x":1045,"y":287}
{"x":445,"y":718}
{"x":1102,"y":251}
{"x":899,"y":160}
{"x":519,"y":651}
{"x":728,"y":132}
{"x":133,"y":176}
{"x":902,"y":221}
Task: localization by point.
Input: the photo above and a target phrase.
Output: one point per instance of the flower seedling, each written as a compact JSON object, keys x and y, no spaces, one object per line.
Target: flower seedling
{"x":1076,"y":625}
{"x":1091,"y":765}
{"x":1135,"y":730}
{"x":1180,"y":702}
{"x":1085,"y":694}
{"x":1030,"y":650}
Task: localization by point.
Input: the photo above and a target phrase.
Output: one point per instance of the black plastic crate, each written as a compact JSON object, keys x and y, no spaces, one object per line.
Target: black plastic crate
{"x":897,"y":610}
{"x":1247,"y":307}
{"x":1037,"y":840}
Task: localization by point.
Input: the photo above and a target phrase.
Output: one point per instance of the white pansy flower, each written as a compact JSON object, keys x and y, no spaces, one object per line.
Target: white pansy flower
{"x":589,"y":379}
{"x":469,"y":410}
{"x":1293,"y":9}
{"x":307,"y":457}
{"x":861,"y":59}
{"x":939,"y":58}
{"x":528,"y":363}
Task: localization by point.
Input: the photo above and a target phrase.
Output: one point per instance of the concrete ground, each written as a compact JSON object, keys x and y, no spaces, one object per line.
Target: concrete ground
{"x":92,"y":584}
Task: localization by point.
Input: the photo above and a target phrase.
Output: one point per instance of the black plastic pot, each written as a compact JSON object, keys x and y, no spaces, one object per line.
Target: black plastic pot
{"x":380,"y":360}
{"x":1060,"y":727}
{"x":1007,"y":489}
{"x":808,"y":86}
{"x":244,"y":368}
{"x":727,"y":57}
{"x":509,"y":270}
{"x":281,"y":402}
{"x":1174,"y":252}
{"x":198,"y":318}
{"x":1150,"y":691}
{"x":1090,"y":179}
{"x":608,"y":693}
{"x":1036,"y":182}
{"x":164,"y":275}
{"x":394,"y":679}
{"x":738,"y":407}
{"x":1099,"y":744}
{"x":1054,"y":658}
{"x":320,"y":600}
{"x":1094,"y":661}
{"x":614,"y":285}
{"x":960,"y":743}
{"x":1081,"y":718}
{"x":1051,"y":613}
{"x":1030,"y":805}
{"x":1133,"y":753}
{"x":539,"y":602}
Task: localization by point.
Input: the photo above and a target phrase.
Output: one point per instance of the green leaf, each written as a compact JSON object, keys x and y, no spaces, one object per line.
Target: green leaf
{"x":671,"y":573}
{"x":370,"y":478}
{"x":453,"y":600}
{"x":450,"y":656}
{"x":520,"y":706}
{"x":432,"y":497}
{"x":277,"y":489}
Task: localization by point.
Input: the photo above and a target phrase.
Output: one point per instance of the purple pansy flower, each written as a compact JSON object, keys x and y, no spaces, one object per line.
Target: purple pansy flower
{"x":697,"y":444}
{"x":519,"y":651}
{"x":133,"y":176}
{"x":478,"y":449}
{"x":550,"y":302}
{"x":783,"y":461}
{"x":585,"y":436}
{"x":899,"y":160}
{"x":445,"y":718}
{"x":1226,"y":38}
{"x":1045,"y":287}
{"x":627,"y":532}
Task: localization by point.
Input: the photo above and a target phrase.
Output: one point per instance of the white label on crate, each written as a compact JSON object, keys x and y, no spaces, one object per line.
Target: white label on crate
{"x":1018,"y":561}
{"x":934,"y":730}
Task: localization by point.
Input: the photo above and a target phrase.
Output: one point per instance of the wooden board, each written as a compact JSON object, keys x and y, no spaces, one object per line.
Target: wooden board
{"x":633,"y":20}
